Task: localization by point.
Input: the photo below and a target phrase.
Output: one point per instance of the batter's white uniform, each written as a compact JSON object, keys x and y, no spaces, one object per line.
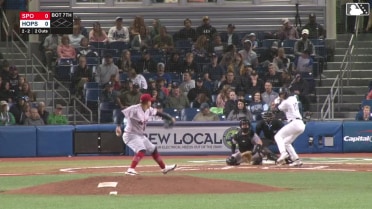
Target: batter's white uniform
{"x":134,"y":131}
{"x":288,"y":134}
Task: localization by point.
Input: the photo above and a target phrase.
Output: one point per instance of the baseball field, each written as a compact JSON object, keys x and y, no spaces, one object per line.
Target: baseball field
{"x":205,"y":182}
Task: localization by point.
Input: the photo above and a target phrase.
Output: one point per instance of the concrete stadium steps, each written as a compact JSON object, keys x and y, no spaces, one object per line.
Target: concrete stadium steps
{"x":360,"y":58}
{"x":359,"y":82}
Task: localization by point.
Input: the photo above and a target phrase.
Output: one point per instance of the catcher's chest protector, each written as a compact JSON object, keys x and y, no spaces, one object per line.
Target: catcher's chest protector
{"x":244,"y":142}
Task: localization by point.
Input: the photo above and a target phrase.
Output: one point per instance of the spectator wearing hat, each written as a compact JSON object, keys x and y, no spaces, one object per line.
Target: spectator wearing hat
{"x":44,"y":114}
{"x":160,"y":73}
{"x":206,"y":29}
{"x":230,"y":38}
{"x":118,"y":32}
{"x":17,"y":109}
{"x":146,"y":64}
{"x":162,"y":88}
{"x":287,"y":30}
{"x":106,"y":70}
{"x":130,"y":97}
{"x":199,"y":88}
{"x":187,"y":84}
{"x":253,"y":38}
{"x":97,"y":34}
{"x":187,"y":32}
{"x":248,"y":55}
{"x":6,"y":117}
{"x":174,"y":63}
{"x":176,"y":99}
{"x":214,"y":71}
{"x":82,"y":29}
{"x":56,"y":118}
{"x":316,"y":30}
{"x":163,"y":41}
{"x":205,"y":114}
{"x":304,"y":44}
{"x":34,"y":119}
{"x":108,"y":94}
{"x":138,"y":79}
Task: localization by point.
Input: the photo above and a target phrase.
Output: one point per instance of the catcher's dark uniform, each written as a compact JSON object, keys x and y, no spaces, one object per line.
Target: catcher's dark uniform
{"x":245,"y":142}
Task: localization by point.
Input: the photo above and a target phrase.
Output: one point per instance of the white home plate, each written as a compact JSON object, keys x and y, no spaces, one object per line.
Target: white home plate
{"x":107,"y":184}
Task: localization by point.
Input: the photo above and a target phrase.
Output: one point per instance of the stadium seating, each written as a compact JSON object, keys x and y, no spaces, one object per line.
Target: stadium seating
{"x":106,"y":112}
{"x":173,"y":112}
{"x":188,"y":114}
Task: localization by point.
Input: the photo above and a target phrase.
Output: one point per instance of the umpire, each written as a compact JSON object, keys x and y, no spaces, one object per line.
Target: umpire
{"x":246,"y":140}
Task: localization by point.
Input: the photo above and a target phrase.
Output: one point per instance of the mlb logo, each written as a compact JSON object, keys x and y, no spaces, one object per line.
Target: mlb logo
{"x":357,"y":9}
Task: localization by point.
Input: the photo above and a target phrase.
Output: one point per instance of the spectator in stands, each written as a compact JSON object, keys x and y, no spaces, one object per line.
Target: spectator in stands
{"x":16,"y":109}
{"x":239,"y":67}
{"x":75,"y":37}
{"x":176,"y":99}
{"x":155,"y":94}
{"x":316,"y":30}
{"x":199,"y":88}
{"x":200,"y":48}
{"x":97,"y":34}
{"x":209,"y":84}
{"x":129,"y":98}
{"x":206,"y":29}
{"x":304,"y":64}
{"x":106,"y":69}
{"x":50,"y":46}
{"x":174,"y":63}
{"x":230,"y":80}
{"x":269,"y":54}
{"x":230,"y":38}
{"x":162,"y":87}
{"x":6,"y":94}
{"x":257,"y":84}
{"x":115,"y":80}
{"x":215,"y":71}
{"x":223,"y":96}
{"x":269,"y":95}
{"x":138,"y":79}
{"x":65,"y":50}
{"x":13,"y":78}
{"x":85,"y":49}
{"x":82,"y":29}
{"x":286,"y":78}
{"x":230,"y":103}
{"x":27,"y":92}
{"x":26,"y":112}
{"x":257,"y":106}
{"x":118,"y":32}
{"x":151,"y":85}
{"x":163,"y":41}
{"x":6,"y":117}
{"x":5,"y":66}
{"x":140,"y":34}
{"x":281,"y":60}
{"x":187,"y":84}
{"x":217,"y":46}
{"x":366,"y":115}
{"x":287,"y":30}
{"x":155,"y":30}
{"x":300,"y":87}
{"x":189,"y":65}
{"x":240,"y":112}
{"x":44,"y":114}
{"x":274,"y":76}
{"x":253,"y":38}
{"x":249,"y":56}
{"x":205,"y":114}
{"x":108,"y":94}
{"x":162,"y":74}
{"x":159,"y":108}
{"x":146,"y":64}
{"x":200,"y":99}
{"x":34,"y":119}
{"x":82,"y":74}
{"x":21,"y":81}
{"x":125,"y":62}
{"x":56,"y":118}
{"x":304,"y":44}
{"x":187,"y":32}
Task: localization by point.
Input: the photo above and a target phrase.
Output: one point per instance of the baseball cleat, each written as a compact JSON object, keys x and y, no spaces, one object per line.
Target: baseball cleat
{"x":131,"y":172}
{"x":296,"y":163}
{"x":169,"y":168}
{"x":281,"y":159}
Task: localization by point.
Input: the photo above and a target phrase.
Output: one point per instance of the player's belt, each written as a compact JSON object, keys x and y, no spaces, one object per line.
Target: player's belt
{"x":295,"y":119}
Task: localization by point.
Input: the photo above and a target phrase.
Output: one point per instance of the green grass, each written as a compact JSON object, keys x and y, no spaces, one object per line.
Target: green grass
{"x":305,"y":189}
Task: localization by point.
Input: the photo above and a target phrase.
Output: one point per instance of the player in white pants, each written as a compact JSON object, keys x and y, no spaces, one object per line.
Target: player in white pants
{"x":288,"y":134}
{"x":137,"y":117}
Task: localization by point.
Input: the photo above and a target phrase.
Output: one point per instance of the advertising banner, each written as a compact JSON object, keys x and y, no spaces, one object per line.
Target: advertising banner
{"x":357,"y":136}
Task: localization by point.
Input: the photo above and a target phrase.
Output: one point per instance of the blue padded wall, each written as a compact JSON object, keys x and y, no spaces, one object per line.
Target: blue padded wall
{"x":55,"y":140}
{"x":17,"y":141}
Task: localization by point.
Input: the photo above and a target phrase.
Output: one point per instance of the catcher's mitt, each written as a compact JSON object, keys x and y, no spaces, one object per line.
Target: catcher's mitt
{"x":246,"y":157}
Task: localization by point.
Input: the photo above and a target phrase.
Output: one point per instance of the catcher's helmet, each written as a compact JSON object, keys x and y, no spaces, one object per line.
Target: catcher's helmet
{"x":285,"y":92}
{"x":245,"y":122}
{"x":231,"y":161}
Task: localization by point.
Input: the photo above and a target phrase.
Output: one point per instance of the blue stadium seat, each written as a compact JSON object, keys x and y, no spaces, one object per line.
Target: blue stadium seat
{"x":113,"y":52}
{"x":173,"y":112}
{"x":288,"y":43}
{"x":98,"y":45}
{"x":267,"y":43}
{"x":106,"y":112}
{"x":64,"y":72}
{"x":123,"y":77}
{"x":149,"y":75}
{"x":183,"y":46}
{"x":176,"y":77}
{"x":93,"y":61}
{"x":188,"y":114}
{"x":366,"y":102}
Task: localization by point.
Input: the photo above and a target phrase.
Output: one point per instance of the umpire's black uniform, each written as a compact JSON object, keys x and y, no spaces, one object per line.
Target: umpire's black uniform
{"x":269,"y":130}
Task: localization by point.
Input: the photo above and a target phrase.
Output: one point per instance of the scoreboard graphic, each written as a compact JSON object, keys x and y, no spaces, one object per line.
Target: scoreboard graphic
{"x":46,"y":22}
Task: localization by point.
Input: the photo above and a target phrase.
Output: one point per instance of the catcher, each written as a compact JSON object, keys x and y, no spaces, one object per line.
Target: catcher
{"x":249,"y":145}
